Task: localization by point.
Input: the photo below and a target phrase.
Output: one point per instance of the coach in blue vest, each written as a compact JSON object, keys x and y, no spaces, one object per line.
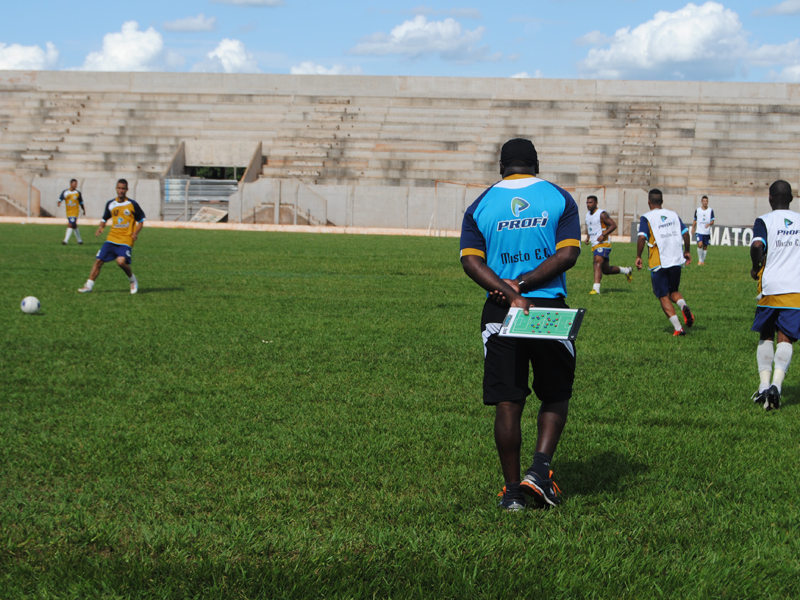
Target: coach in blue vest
{"x":518,"y":240}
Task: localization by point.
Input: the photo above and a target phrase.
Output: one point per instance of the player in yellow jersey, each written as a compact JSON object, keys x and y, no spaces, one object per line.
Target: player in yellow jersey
{"x":74,"y":201}
{"x":127,"y":220}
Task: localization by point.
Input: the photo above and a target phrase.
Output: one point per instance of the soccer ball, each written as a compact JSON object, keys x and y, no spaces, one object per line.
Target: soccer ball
{"x":30,"y":305}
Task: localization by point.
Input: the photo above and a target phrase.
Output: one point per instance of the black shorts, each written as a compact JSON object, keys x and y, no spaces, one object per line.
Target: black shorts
{"x":666,"y":281}
{"x":505,"y":366}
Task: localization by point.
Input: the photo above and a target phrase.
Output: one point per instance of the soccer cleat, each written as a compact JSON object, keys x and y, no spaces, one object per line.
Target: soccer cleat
{"x":759,"y":398}
{"x":678,"y":333}
{"x":772,"y":399}
{"x":80,"y":243}
{"x":688,"y":317}
{"x":544,"y":490}
{"x":85,"y":290}
{"x":510,"y":504}
{"x":594,"y":293}
{"x":63,"y":243}
{"x":134,"y":285}
{"x":629,"y":276}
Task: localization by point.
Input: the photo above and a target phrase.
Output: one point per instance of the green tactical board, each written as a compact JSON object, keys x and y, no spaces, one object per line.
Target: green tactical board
{"x":547,"y":323}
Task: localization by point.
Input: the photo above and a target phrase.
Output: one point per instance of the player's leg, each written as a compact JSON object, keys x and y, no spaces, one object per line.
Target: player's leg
{"x":608,"y":269}
{"x":554,"y":372}
{"x":597,"y":266}
{"x":764,"y":324}
{"x":124,"y":264}
{"x":688,"y":316}
{"x":77,"y":231}
{"x":505,"y":386}
{"x":93,"y":275}
{"x":788,"y":326}
{"x":661,"y":290}
{"x":70,"y":226}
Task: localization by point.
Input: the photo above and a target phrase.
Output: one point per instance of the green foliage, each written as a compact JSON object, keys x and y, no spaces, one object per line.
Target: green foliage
{"x":299,"y":416}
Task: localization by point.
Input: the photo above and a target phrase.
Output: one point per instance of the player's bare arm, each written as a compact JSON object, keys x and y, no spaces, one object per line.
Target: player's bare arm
{"x":476,"y":269}
{"x":757,"y":258}
{"x":611,"y":226}
{"x":687,"y":244}
{"x":639,"y":249}
{"x":135,"y":234}
{"x":100,"y":229}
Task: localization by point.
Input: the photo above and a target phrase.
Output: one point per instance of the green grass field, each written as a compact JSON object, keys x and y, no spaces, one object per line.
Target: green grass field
{"x":300,"y":416}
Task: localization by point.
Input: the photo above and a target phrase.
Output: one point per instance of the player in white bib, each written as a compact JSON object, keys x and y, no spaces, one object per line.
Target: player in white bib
{"x":703,"y":221}
{"x":775,"y":254}
{"x":663,"y":231}
{"x":599,"y":227}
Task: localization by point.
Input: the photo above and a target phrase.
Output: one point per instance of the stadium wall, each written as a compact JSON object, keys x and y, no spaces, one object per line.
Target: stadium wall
{"x":357,"y":151}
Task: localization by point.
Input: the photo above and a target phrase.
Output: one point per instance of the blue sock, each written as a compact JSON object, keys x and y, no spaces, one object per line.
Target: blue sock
{"x":541,"y":465}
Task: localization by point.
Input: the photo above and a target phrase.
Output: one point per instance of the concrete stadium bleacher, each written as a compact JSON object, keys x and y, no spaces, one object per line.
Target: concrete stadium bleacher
{"x":370,"y":150}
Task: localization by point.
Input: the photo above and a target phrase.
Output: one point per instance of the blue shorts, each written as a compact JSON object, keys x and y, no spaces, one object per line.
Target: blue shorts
{"x":72,"y":220}
{"x":604,"y":252}
{"x":769,"y":319}
{"x":111,"y":251}
{"x":666,"y":281}
{"x":702,"y":237}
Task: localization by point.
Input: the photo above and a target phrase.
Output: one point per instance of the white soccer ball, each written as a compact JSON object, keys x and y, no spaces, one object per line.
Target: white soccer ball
{"x":30,"y":305}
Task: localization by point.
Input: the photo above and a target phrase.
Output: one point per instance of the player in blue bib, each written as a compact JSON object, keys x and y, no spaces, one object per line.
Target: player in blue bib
{"x":518,"y":239}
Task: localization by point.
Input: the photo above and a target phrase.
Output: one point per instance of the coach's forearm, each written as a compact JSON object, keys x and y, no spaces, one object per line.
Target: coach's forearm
{"x":553,"y":266}
{"x":477,"y":270}
{"x":687,"y":243}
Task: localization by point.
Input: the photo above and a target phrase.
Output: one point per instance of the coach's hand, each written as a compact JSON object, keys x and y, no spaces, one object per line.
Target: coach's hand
{"x":754,"y":273}
{"x":639,"y":263}
{"x":521,"y":302}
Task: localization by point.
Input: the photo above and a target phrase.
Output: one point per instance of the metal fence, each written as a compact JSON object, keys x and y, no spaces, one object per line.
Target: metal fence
{"x":183,"y":197}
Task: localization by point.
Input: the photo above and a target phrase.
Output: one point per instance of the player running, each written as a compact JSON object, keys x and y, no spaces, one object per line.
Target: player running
{"x":703,"y":221}
{"x":775,"y":254}
{"x":74,"y":201}
{"x":662,"y":230}
{"x":518,"y":239}
{"x":599,"y":227}
{"x":127,"y":220}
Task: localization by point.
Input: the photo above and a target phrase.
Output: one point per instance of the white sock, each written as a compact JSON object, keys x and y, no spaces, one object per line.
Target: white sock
{"x":675,"y":322}
{"x":78,"y":235}
{"x":681,"y":303}
{"x":89,"y":284}
{"x":596,"y":287}
{"x":69,"y":233}
{"x":625,"y":270}
{"x":783,"y":358}
{"x":705,"y":253}
{"x":764,"y":355}
{"x":132,"y":278}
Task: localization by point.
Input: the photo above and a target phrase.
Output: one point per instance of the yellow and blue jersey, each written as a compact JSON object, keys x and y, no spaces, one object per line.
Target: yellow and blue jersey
{"x":123,"y":217}
{"x":518,"y":223}
{"x":73,"y":201}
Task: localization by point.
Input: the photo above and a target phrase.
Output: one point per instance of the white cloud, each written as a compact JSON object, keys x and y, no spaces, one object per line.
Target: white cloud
{"x":29,"y":58}
{"x":459,"y":13}
{"x":250,"y":2}
{"x":198,"y":23}
{"x":537,"y":74}
{"x":230,"y":56}
{"x":419,"y":37}
{"x":594,"y":38}
{"x":704,"y":42}
{"x":130,"y":50}
{"x":310,"y":68}
{"x":789,"y":7}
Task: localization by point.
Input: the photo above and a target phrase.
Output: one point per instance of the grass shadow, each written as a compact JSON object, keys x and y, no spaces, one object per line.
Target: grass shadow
{"x":141,"y":291}
{"x":603,"y":473}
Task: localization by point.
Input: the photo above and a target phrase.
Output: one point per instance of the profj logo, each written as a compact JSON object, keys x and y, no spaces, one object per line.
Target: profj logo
{"x":518,"y":205}
{"x":787,"y":223}
{"x":663,"y":218}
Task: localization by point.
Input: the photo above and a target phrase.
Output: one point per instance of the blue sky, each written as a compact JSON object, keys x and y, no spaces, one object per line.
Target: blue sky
{"x":612,"y":39}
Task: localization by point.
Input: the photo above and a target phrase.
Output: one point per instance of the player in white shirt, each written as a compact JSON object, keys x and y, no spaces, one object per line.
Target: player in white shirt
{"x":599,"y":227}
{"x":662,"y":230}
{"x":775,"y":254}
{"x":703,"y":221}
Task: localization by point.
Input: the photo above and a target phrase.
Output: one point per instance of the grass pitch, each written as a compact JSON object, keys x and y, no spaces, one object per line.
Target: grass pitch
{"x":299,"y":416}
